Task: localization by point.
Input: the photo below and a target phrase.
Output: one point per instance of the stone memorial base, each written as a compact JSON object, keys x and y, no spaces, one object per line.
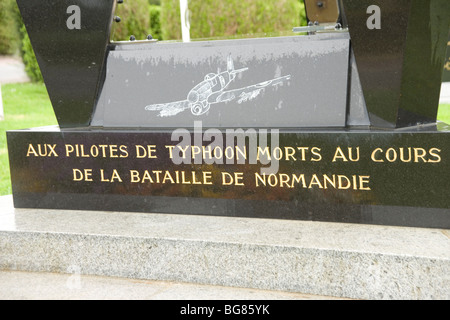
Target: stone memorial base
{"x":320,"y":258}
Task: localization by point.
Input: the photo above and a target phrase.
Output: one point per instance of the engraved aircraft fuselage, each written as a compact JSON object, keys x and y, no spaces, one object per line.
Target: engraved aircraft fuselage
{"x":210,"y":90}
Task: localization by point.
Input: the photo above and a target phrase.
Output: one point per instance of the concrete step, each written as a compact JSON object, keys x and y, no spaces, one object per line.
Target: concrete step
{"x":288,"y":257}
{"x":19,"y":285}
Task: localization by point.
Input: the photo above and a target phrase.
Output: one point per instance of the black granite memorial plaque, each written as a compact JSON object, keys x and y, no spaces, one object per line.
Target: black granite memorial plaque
{"x":333,"y":126}
{"x":363,"y":176}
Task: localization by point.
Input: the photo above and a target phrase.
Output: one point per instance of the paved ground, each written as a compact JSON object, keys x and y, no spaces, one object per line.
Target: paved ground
{"x":12,"y":70}
{"x":445,"y":93}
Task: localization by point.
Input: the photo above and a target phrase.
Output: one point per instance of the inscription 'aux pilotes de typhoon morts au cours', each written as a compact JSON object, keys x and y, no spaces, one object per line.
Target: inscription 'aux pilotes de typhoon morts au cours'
{"x":212,"y":90}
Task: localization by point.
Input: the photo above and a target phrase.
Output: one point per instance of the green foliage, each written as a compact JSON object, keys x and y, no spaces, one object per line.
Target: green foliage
{"x":29,"y":59}
{"x":139,"y":18}
{"x":303,"y":20}
{"x":155,"y":22}
{"x":135,"y":20}
{"x":212,"y":18}
{"x":13,"y":31}
{"x":170,"y":19}
{"x":9,"y":42}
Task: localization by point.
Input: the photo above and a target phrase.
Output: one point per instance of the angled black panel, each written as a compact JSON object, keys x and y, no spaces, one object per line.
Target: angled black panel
{"x":400,"y":63}
{"x":71,"y":59}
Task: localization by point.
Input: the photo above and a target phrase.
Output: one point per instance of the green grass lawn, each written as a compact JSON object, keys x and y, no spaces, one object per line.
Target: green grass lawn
{"x":444,"y":113}
{"x":24,"y":106}
{"x":27,"y":106}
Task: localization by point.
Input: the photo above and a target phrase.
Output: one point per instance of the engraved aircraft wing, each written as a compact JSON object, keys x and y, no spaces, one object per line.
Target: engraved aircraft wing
{"x":247,"y":93}
{"x":169,"y":109}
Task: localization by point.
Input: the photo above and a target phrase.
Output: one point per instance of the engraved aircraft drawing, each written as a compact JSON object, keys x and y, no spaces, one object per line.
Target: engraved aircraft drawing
{"x":212,"y":90}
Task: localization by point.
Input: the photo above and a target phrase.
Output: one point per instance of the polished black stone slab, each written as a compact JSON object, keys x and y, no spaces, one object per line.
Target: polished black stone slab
{"x":372,"y":177}
{"x":400,"y":62}
{"x":72,"y":60}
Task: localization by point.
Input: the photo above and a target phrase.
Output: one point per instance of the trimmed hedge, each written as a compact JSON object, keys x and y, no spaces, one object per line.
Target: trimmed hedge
{"x":135,"y":20}
{"x":138,"y":18}
{"x":26,"y":50}
{"x":29,"y":59}
{"x":155,"y":22}
{"x":9,"y":42}
{"x":14,"y":38}
{"x":212,"y":18}
{"x":170,"y":19}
